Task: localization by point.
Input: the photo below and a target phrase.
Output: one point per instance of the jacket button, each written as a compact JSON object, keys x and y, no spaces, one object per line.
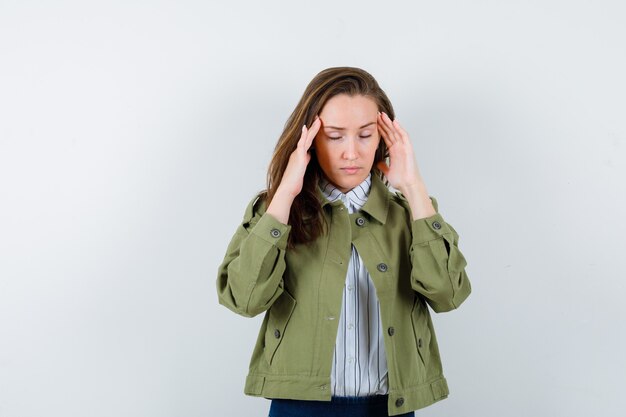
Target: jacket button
{"x":277,"y":334}
{"x":391,"y":331}
{"x":275,"y":232}
{"x":436,"y":225}
{"x":382,"y":267}
{"x":399,"y":402}
{"x":419,"y":343}
{"x":360,"y":221}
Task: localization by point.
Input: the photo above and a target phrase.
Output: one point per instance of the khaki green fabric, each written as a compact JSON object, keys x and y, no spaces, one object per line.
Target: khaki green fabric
{"x":413,"y":265}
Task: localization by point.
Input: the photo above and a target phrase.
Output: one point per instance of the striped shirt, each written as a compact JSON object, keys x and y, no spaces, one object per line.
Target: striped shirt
{"x":359,"y":365}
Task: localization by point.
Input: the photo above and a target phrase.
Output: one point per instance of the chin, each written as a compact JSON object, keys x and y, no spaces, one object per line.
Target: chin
{"x":347,"y":182}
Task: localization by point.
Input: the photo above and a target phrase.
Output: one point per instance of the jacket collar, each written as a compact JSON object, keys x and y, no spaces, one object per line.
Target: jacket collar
{"x":377,"y":204}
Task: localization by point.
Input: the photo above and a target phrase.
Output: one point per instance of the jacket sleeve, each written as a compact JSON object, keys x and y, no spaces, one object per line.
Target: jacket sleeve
{"x":250,"y":278}
{"x":438,"y":266}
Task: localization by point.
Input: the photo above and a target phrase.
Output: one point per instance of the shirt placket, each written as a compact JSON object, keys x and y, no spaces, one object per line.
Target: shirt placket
{"x":351,"y":294}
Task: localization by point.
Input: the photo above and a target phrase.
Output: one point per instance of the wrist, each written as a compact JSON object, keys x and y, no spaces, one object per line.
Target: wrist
{"x":419,"y":201}
{"x":280,"y":206}
{"x":284,"y":195}
{"x":416,"y":190}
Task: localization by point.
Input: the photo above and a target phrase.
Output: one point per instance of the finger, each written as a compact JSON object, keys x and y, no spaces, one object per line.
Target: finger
{"x":303,"y":136}
{"x":394,"y":133}
{"x":315,"y":127}
{"x":385,"y":133}
{"x":387,"y":127}
{"x":403,"y":133}
{"x":383,"y":126}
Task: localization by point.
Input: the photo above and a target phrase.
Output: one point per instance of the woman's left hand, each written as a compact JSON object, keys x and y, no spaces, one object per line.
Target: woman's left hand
{"x":402,"y":172}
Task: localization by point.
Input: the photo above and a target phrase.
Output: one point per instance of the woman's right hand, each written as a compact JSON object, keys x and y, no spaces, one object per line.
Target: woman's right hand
{"x":293,"y":177}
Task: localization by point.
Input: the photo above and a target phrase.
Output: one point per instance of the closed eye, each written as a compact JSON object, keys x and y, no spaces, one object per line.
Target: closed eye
{"x":339,"y":137}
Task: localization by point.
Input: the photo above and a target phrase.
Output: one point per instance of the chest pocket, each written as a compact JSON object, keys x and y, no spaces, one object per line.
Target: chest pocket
{"x":419,"y":318}
{"x":279,"y":314}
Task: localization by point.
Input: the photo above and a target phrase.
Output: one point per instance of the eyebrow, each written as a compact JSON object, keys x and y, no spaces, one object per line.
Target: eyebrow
{"x":343,"y":128}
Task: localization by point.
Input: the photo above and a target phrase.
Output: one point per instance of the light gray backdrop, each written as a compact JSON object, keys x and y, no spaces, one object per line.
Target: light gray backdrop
{"x":132,"y":135}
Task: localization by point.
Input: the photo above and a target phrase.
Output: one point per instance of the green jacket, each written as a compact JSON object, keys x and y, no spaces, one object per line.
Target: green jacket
{"x":413,"y":265}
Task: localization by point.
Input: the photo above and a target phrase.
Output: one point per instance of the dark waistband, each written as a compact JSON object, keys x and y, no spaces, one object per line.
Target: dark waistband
{"x":370,"y":399}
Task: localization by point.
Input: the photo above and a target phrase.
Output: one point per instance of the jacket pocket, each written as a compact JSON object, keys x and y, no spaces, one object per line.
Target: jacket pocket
{"x":279,"y":314}
{"x":421,"y":331}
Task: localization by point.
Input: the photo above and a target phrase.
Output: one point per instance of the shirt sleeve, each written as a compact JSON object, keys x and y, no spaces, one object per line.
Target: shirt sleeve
{"x":438,"y":266}
{"x":250,"y":278}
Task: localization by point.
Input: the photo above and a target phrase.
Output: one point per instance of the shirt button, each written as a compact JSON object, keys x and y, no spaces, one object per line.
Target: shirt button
{"x":277,"y":334}
{"x":275,"y":232}
{"x":350,"y":326}
{"x":350,"y":287}
{"x":360,"y":221}
{"x":419,"y":343}
{"x":399,"y":402}
{"x":341,"y":208}
{"x":391,"y":331}
{"x":382,"y":267}
{"x":323,"y":387}
{"x":436,"y":225}
{"x":350,"y":360}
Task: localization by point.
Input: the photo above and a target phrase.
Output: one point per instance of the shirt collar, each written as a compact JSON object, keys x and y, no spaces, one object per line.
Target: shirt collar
{"x":371,"y":196}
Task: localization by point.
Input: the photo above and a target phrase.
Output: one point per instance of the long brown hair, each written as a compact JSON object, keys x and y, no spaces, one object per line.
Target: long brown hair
{"x":306,"y":218}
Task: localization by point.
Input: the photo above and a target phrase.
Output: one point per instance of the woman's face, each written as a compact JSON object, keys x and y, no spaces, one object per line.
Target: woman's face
{"x":347,"y":140}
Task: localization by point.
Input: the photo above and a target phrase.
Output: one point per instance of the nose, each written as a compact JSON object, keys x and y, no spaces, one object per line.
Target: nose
{"x":350,"y":152}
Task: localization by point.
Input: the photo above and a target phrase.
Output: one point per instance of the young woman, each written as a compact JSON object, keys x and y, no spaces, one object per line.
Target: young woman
{"x":344,"y":268}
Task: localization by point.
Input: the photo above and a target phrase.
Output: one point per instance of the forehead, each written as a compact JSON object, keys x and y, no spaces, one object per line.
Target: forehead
{"x":349,"y":111}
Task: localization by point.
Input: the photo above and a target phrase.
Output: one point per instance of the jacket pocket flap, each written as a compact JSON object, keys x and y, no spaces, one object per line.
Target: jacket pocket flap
{"x":419,"y":318}
{"x":279,"y":314}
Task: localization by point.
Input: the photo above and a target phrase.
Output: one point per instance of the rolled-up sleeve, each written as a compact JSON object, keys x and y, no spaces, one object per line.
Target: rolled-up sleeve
{"x":250,"y":278}
{"x":438,"y":266}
